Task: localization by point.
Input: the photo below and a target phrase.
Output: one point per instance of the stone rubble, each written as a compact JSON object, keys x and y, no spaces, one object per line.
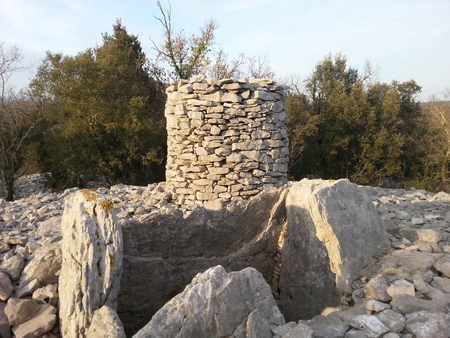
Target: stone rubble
{"x":403,"y":294}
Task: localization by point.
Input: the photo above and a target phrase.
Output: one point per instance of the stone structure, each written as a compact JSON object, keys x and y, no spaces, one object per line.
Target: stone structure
{"x":226,"y":139}
{"x":403,"y":294}
{"x":91,"y":265}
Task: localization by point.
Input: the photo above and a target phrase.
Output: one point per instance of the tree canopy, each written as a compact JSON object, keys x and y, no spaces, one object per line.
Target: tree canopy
{"x":186,"y":56}
{"x":344,"y":125}
{"x":105,"y":114}
{"x":19,"y":117}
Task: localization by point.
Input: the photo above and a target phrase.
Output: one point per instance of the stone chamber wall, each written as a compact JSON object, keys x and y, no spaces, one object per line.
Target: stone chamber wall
{"x":308,"y":239}
{"x":227,"y":139}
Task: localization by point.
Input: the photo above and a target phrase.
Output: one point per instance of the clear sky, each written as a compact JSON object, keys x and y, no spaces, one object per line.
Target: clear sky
{"x":405,"y":39}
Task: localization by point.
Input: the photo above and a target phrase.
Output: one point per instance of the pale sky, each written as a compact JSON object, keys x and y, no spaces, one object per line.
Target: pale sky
{"x":405,"y":39}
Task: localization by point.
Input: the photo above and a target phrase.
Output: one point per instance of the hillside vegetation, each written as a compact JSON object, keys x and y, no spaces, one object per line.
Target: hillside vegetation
{"x":100,"y":115}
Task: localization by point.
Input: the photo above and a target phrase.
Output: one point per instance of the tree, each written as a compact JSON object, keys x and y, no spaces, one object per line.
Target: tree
{"x":434,"y":144}
{"x":105,"y":114}
{"x":223,"y":68}
{"x":258,"y":67}
{"x":303,"y":129}
{"x":186,"y":56}
{"x":346,"y":125}
{"x":18,"y":120}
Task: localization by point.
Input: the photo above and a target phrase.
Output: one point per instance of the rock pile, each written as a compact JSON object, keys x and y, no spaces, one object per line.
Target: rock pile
{"x":227,"y":139}
{"x":405,"y":293}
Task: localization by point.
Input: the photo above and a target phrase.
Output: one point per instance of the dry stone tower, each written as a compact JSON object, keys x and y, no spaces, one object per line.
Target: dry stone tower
{"x":227,"y":139}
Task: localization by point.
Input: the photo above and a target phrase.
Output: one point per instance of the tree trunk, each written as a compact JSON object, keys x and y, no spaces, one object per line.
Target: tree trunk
{"x":444,"y":171}
{"x":9,"y":187}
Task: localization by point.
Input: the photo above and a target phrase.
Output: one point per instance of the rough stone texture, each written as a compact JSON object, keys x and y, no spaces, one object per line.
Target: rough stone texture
{"x":30,"y":223}
{"x":370,"y":325}
{"x":301,"y":330}
{"x":424,"y":324}
{"x":403,"y":264}
{"x":443,"y":265}
{"x":441,"y":283}
{"x":282,"y":330}
{"x":215,"y":304}
{"x":426,"y":235}
{"x":42,"y":321}
{"x":45,"y":266}
{"x":5,"y":327}
{"x":13,"y":267}
{"x":48,"y":294}
{"x":91,"y":262}
{"x":19,"y":311}
{"x":408,"y":304}
{"x":172,"y":246}
{"x":226,"y":140}
{"x":105,"y":323}
{"x":376,"y":289}
{"x":376,"y":306}
{"x":333,"y":231}
{"x":6,"y":288}
{"x":401,"y":287}
{"x":393,"y":320}
{"x":327,"y":326}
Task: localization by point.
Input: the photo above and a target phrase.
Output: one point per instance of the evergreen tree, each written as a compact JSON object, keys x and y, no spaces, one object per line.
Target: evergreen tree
{"x":346,"y":126}
{"x":106,"y":114}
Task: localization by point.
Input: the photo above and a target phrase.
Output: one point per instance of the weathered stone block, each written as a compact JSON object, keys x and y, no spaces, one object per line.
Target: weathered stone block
{"x":92,"y":261}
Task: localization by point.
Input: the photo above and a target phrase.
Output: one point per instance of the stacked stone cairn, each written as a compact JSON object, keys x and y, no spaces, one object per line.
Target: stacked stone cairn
{"x":227,"y":139}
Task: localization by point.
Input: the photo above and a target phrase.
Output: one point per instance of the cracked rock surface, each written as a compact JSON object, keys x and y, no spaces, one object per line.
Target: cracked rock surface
{"x":404,"y":293}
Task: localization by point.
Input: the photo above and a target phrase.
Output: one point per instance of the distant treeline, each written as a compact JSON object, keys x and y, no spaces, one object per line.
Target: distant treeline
{"x":100,"y":115}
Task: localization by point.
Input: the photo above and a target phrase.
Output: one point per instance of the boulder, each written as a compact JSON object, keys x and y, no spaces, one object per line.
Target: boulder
{"x":282,"y":330}
{"x":13,"y":267}
{"x":19,"y":311}
{"x":328,"y":326}
{"x":5,"y":327}
{"x":370,"y":325}
{"x":28,"y":288}
{"x":441,"y":283}
{"x":402,"y":264}
{"x":47,"y":294}
{"x":217,"y":304}
{"x":376,"y":306}
{"x":44,"y":267}
{"x":406,"y":304}
{"x":393,"y":320}
{"x":91,"y":261}
{"x":401,"y":287}
{"x":443,"y":265}
{"x":376,"y":288}
{"x":301,"y":330}
{"x":42,"y":321}
{"x":6,"y":287}
{"x":425,"y":235}
{"x":105,"y":323}
{"x":425,"y":324}
{"x":333,"y":231}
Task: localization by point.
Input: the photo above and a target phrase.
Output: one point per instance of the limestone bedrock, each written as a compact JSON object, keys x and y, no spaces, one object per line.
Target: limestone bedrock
{"x":91,"y":261}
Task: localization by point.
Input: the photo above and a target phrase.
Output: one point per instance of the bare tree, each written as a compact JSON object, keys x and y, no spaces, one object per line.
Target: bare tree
{"x":435,"y":143}
{"x":18,"y":120}
{"x":222,"y":68}
{"x":186,"y":56}
{"x":259,"y":67}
